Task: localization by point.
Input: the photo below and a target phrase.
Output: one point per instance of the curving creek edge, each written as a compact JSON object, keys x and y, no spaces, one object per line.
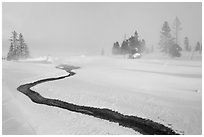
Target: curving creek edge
{"x":143,"y":126}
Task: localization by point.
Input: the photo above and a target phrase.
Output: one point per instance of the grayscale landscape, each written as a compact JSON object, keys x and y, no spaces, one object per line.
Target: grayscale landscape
{"x":102,"y":68}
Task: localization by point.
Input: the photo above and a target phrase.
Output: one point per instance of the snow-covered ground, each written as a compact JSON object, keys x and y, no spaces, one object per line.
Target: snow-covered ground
{"x":166,"y":91}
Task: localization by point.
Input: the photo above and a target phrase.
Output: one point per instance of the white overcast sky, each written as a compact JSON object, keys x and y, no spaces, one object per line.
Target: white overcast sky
{"x":60,"y":29}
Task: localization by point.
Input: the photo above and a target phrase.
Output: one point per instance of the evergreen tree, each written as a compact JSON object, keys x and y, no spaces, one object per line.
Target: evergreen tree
{"x":174,"y":50}
{"x":134,"y":41}
{"x":131,"y":42}
{"x":124,"y":47}
{"x":21,"y":45}
{"x":167,"y":44}
{"x":166,"y":38}
{"x":13,"y":50}
{"x":18,"y":48}
{"x":134,"y":44}
{"x":14,"y":39}
{"x":186,"y":44}
{"x":198,"y":47}
{"x":137,"y":42}
{"x":116,"y":48}
{"x":23,"y":48}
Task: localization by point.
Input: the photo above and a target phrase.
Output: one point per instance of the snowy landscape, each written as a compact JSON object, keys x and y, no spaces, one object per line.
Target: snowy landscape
{"x":102,"y":68}
{"x":165,"y":91}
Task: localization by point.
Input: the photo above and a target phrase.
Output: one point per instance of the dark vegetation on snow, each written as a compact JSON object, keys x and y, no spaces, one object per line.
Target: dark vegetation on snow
{"x":144,"y":126}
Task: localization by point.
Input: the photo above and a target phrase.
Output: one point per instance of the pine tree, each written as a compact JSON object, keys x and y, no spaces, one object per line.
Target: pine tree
{"x":136,"y":36}
{"x":136,"y":41}
{"x":186,"y":44}
{"x":166,"y":39}
{"x":174,"y":50}
{"x":198,"y":47}
{"x":21,"y":45}
{"x":124,"y":47}
{"x":24,"y":52}
{"x":167,"y":44}
{"x":116,"y":48}
{"x":13,"y":50}
{"x":133,"y":43}
{"x":18,"y":48}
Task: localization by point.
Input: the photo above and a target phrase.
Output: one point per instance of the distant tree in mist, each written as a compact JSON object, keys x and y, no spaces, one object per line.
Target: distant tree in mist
{"x":24,"y":52}
{"x":116,"y":48}
{"x":186,"y":44}
{"x":124,"y":47}
{"x":177,"y":28}
{"x":136,"y":38}
{"x":129,"y":46}
{"x":13,"y":54}
{"x":167,"y":44}
{"x":174,"y":50}
{"x":132,"y":44}
{"x":198,"y":47}
{"x":3,"y":58}
{"x":136,"y":45}
{"x":134,"y":41}
{"x":165,"y":38}
{"x":18,"y":48}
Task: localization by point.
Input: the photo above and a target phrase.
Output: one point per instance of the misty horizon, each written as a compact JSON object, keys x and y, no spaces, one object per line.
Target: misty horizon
{"x":86,"y":28}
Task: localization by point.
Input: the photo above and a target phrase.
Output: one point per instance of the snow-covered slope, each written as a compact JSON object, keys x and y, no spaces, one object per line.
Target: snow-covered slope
{"x":166,"y":91}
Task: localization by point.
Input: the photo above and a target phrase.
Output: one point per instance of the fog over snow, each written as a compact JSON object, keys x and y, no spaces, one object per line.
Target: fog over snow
{"x":60,"y":81}
{"x":86,"y":28}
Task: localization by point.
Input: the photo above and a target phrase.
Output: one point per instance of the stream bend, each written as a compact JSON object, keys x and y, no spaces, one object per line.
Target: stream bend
{"x":141,"y":125}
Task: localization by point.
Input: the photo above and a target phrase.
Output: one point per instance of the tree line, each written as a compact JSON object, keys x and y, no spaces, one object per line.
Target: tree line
{"x":18,"y":48}
{"x":168,"y":43}
{"x":129,"y":46}
{"x":187,"y":47}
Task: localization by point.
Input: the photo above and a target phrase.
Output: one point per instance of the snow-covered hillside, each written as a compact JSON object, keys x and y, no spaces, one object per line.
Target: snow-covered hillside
{"x":165,"y":91}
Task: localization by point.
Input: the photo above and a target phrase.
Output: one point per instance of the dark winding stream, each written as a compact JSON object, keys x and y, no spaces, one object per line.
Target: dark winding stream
{"x":144,"y":126}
